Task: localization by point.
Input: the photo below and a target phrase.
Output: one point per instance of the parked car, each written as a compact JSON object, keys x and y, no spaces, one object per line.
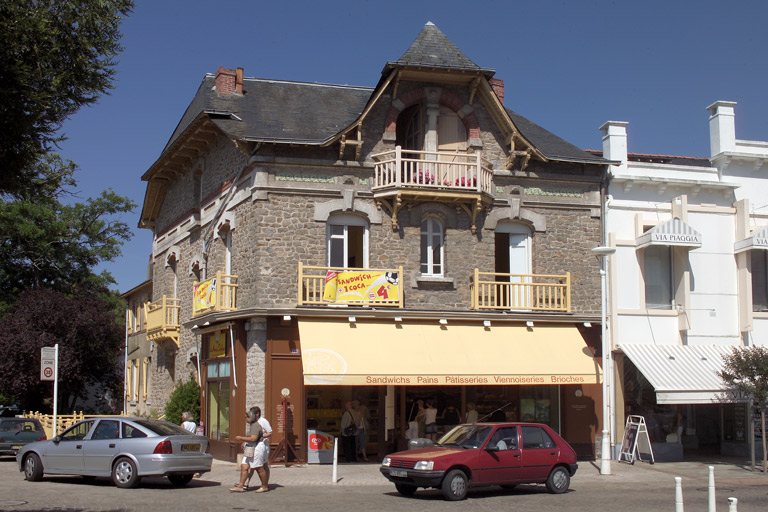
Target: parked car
{"x":17,"y":432}
{"x":124,"y":449}
{"x":483,"y":454}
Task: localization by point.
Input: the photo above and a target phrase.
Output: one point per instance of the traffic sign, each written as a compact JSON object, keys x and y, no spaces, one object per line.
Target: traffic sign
{"x":47,"y":363}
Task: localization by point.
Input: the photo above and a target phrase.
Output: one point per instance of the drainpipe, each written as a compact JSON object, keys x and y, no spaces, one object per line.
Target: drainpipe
{"x":125,"y":366}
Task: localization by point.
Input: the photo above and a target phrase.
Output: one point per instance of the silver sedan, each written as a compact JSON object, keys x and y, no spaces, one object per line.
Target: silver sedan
{"x":124,"y":449}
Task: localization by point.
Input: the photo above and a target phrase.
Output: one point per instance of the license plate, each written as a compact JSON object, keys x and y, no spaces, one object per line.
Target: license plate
{"x":399,"y":473}
{"x":190,"y":447}
{"x":16,"y":447}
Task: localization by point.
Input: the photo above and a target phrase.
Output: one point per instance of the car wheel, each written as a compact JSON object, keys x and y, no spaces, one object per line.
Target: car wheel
{"x":179,"y":480}
{"x":124,"y":473}
{"x":33,"y":468}
{"x":455,"y":485}
{"x":406,"y":489}
{"x":558,"y":480}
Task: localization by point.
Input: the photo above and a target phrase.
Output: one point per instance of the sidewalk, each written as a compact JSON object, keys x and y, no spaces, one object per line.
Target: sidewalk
{"x":727,"y":471}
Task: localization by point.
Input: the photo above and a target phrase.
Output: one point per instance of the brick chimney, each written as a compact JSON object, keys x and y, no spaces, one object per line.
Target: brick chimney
{"x":498,"y":87}
{"x":229,"y":81}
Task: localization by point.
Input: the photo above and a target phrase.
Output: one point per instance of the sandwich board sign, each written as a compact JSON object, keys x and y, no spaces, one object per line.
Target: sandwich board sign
{"x":48,"y":363}
{"x":634,"y":430}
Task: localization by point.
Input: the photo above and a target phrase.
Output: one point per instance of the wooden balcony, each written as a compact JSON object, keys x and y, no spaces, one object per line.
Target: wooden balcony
{"x":218,"y":293}
{"x":163,"y":319}
{"x":403,"y":176}
{"x":523,"y":292}
{"x":324,"y":286}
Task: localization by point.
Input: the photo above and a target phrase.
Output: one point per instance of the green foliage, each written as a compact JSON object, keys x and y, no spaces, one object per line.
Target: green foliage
{"x":49,"y":244}
{"x":55,"y":57}
{"x":745,"y":372}
{"x":186,"y":397}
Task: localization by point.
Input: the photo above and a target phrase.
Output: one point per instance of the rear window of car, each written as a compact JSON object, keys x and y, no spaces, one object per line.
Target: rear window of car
{"x":20,"y":425}
{"x":536,"y":437}
{"x":162,"y":428}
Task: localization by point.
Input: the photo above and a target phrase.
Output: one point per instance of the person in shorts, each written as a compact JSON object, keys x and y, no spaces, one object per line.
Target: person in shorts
{"x":261,"y":458}
{"x":249,"y":463}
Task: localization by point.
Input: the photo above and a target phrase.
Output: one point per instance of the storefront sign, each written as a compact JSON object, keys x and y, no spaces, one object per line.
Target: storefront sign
{"x":218,"y":345}
{"x":361,"y":286}
{"x":205,"y":294}
{"x":676,"y":238}
{"x":447,"y":380}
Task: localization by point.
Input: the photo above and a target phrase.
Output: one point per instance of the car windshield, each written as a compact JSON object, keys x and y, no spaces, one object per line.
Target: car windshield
{"x":162,"y":428}
{"x":466,"y":436}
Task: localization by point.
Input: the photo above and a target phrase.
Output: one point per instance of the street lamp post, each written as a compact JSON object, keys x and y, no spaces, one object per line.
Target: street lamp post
{"x":602,"y":254}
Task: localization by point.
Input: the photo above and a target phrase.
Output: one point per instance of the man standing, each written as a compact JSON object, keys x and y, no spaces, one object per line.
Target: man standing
{"x":349,"y":433}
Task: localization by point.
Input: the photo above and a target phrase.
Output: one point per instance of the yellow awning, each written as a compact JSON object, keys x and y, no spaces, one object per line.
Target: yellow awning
{"x":383,"y":352}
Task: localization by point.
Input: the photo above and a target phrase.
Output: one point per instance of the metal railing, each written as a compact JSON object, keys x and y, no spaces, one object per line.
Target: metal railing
{"x":163,"y":318}
{"x":312,"y":286}
{"x":526,"y":292}
{"x":435,"y":170}
{"x":218,"y":293}
{"x":63,"y":421}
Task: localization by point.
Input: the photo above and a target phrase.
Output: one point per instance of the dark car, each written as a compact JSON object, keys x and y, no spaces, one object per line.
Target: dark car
{"x":124,"y":449}
{"x":18,"y":432}
{"x":483,"y":454}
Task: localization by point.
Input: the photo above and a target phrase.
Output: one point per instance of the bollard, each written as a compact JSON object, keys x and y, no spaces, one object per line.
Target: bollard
{"x":712,"y":489}
{"x":678,"y":494}
{"x":732,"y":502}
{"x":335,"y":460}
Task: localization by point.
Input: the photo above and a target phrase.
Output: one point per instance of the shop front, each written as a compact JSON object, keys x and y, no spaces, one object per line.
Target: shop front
{"x":506,"y":372}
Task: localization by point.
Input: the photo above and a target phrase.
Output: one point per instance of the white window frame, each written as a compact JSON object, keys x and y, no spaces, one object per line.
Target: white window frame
{"x":346,"y":221}
{"x":427,"y":253}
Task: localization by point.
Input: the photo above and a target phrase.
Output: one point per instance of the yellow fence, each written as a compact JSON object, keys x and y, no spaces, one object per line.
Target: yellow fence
{"x":63,"y":421}
{"x":531,"y":292}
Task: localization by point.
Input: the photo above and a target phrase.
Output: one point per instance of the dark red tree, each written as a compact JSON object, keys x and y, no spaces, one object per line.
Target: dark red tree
{"x":90,"y":336}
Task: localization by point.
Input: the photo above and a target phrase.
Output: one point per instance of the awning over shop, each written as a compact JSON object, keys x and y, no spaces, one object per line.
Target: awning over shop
{"x":384,"y":352}
{"x":757,"y":241}
{"x":674,"y":232}
{"x":681,"y":374}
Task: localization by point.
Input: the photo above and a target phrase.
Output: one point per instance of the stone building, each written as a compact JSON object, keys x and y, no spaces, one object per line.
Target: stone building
{"x":316,"y":244}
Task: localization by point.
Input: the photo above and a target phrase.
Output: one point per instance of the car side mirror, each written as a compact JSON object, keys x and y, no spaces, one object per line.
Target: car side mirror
{"x":492,"y":448}
{"x":56,"y":439}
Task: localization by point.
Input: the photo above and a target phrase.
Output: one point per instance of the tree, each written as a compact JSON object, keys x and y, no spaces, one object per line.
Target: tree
{"x":186,"y":397}
{"x":55,"y":57}
{"x":90,"y":341}
{"x":49,"y":244}
{"x":745,"y":372}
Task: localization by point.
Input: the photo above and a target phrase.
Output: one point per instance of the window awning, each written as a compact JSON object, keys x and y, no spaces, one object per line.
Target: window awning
{"x":674,"y":232}
{"x":757,"y":241}
{"x":681,"y":374}
{"x":383,"y":352}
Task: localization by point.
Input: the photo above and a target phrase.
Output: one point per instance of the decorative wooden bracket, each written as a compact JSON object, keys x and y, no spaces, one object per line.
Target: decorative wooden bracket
{"x":472,"y":213}
{"x":473,"y":85}
{"x":392,"y":208}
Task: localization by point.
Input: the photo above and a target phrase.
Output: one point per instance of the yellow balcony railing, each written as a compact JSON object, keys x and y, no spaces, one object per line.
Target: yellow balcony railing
{"x":163,"y":319}
{"x":322,"y":286}
{"x":526,"y":292}
{"x":218,"y":293}
{"x":432,"y":170}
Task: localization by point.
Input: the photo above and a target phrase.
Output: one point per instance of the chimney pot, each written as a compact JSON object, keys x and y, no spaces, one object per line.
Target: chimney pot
{"x":498,"y":87}
{"x":226,"y":81}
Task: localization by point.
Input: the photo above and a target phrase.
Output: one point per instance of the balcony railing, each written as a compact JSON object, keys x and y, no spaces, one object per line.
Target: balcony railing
{"x":432,"y":170}
{"x":163,"y":319}
{"x":218,"y":293}
{"x":323,"y":286}
{"x":525,"y":292}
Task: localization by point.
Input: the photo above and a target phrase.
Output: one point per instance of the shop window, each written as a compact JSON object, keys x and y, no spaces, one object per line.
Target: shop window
{"x":658,"y":277}
{"x":431,"y":248}
{"x":218,"y":369}
{"x":759,"y":266}
{"x":640,"y":399}
{"x":347,"y":242}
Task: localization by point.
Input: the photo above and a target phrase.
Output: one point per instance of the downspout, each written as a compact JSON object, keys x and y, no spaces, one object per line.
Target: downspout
{"x":232,"y":348}
{"x":125,"y":365}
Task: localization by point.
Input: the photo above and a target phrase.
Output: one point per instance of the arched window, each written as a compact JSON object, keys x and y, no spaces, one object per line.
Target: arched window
{"x":410,"y":128}
{"x":432,"y":247}
{"x":347,"y":241}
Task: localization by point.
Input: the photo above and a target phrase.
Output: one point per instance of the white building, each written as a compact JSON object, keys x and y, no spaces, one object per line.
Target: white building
{"x":687,"y":283}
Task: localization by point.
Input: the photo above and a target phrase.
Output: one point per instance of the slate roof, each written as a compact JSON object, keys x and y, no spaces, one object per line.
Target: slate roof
{"x":432,"y":49}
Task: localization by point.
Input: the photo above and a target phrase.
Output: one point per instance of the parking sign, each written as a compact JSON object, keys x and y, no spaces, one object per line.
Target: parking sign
{"x":47,"y":363}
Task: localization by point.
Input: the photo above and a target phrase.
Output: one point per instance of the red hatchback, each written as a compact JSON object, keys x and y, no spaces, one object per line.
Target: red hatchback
{"x":482,"y":454}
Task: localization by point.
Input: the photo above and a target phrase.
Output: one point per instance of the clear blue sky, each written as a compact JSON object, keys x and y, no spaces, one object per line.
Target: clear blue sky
{"x":567,"y":65}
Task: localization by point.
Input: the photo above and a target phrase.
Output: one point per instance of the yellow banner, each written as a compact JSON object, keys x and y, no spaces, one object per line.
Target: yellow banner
{"x":361,"y":286}
{"x":205,"y":294}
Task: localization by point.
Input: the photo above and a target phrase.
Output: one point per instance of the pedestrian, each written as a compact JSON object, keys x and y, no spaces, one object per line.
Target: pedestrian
{"x":349,"y":432}
{"x":249,"y":449}
{"x":188,"y":421}
{"x":450,"y":417}
{"x":362,"y":429}
{"x":430,"y":421}
{"x":471,"y":413}
{"x":261,"y":457}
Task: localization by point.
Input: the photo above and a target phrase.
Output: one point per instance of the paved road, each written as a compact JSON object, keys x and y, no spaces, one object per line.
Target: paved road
{"x":361,"y":489}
